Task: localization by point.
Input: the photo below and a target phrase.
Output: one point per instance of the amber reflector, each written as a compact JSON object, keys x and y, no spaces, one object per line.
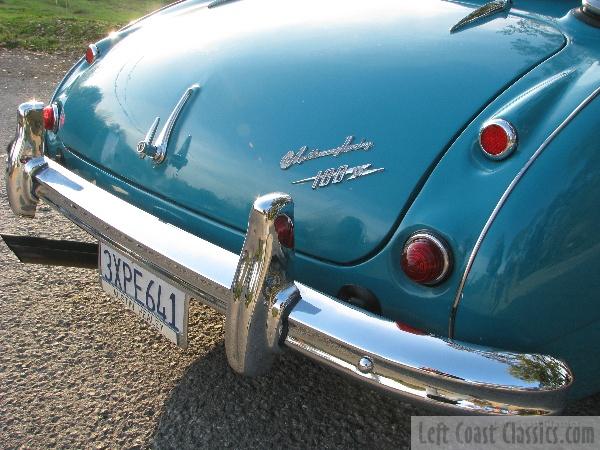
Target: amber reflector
{"x":49,"y":118}
{"x":284,"y":227}
{"x":425,"y":259}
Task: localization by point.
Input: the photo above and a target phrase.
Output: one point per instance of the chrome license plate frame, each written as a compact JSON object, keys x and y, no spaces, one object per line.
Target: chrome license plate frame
{"x":160,"y":303}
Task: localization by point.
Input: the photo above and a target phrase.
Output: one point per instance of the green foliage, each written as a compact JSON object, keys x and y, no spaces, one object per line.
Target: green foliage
{"x":48,"y":25}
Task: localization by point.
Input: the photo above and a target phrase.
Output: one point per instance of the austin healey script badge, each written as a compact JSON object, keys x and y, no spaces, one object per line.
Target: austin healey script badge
{"x":334,"y":175}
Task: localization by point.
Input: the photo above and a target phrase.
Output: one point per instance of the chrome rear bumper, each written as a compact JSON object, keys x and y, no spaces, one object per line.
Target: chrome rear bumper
{"x":266,"y":310}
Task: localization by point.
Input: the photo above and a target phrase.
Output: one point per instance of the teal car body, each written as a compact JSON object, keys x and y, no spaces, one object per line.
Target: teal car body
{"x":277,"y":77}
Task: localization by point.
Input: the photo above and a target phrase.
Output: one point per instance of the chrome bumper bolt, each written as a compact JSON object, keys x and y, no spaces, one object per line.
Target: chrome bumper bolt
{"x":365,"y":365}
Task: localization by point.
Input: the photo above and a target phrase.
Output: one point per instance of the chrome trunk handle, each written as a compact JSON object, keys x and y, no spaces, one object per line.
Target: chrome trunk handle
{"x":158,"y":151}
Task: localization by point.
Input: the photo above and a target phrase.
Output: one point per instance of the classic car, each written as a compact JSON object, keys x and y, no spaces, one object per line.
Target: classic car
{"x":406,"y":191}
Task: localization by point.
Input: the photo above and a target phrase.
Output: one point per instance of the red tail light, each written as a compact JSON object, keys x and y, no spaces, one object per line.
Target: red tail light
{"x":426,"y":259}
{"x":497,"y":138}
{"x":285,"y":230}
{"x":50,"y":117}
{"x":91,"y":54}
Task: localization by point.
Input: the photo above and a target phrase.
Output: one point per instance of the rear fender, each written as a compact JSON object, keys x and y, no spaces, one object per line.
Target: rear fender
{"x":535,"y":280}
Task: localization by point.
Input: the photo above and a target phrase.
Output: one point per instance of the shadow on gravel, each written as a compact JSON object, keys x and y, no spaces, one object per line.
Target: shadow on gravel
{"x":299,"y":404}
{"x":589,"y":406}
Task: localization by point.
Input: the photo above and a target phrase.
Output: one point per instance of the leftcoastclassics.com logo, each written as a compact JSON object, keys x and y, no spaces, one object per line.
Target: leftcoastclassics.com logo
{"x":504,"y":433}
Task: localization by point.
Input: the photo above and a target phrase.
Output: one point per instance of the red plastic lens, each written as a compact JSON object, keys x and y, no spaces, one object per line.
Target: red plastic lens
{"x":49,"y":117}
{"x":91,"y":53}
{"x":494,"y":140}
{"x":425,"y":260}
{"x":284,"y":227}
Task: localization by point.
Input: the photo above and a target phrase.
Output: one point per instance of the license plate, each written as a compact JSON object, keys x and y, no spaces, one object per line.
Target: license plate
{"x":163,"y":306}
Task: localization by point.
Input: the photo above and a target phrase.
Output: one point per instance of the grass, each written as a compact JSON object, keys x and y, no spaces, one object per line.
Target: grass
{"x":65,"y":25}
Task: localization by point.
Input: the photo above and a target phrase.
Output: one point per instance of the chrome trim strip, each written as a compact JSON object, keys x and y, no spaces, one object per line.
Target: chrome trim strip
{"x":216,"y":3}
{"x":502,"y":201}
{"x":137,"y":21}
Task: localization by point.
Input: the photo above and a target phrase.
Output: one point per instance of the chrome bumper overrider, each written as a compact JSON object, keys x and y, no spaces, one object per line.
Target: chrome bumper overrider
{"x":267,"y":311}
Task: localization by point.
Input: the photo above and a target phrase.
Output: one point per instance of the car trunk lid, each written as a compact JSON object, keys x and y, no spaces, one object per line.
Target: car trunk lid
{"x":362,"y":97}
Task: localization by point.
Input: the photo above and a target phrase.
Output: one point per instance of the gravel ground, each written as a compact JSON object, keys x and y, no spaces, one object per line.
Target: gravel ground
{"x":76,"y":370}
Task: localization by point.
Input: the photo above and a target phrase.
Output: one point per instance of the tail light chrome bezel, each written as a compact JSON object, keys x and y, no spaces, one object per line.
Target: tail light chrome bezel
{"x":511,"y":138}
{"x":442,"y":247}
